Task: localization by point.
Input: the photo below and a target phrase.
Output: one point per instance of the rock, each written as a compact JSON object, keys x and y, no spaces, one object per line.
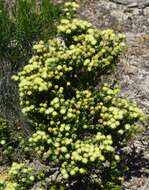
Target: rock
{"x":122,"y":2}
{"x":146,"y":156}
{"x":117,"y":14}
{"x":144,"y":4}
{"x":132,"y":70}
{"x":146,"y":186}
{"x":146,"y":11}
{"x":132,"y":5}
{"x":136,"y":11}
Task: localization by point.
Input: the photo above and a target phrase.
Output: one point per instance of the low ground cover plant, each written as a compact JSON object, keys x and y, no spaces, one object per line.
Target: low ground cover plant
{"x":80,"y":125}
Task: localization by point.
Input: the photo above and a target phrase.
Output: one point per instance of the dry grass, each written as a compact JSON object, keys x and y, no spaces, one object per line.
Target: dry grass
{"x":3,"y":174}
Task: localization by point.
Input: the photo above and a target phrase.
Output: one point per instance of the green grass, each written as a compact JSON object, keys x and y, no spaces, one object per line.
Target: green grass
{"x":26,"y":22}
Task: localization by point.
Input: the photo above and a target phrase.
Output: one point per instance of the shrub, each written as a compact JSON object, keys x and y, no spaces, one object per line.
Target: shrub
{"x":80,"y":125}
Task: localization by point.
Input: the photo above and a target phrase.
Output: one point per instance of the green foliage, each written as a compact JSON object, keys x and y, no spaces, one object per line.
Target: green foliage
{"x":8,"y":185}
{"x":6,"y":28}
{"x":6,"y":146}
{"x":22,"y":176}
{"x":23,"y":24}
{"x":55,"y":187}
{"x":34,"y":20}
{"x":12,"y":142}
{"x":70,"y":9}
{"x":112,"y":186}
{"x":3,"y":131}
{"x":79,"y":125}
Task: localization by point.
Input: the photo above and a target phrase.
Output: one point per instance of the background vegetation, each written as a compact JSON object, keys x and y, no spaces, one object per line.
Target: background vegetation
{"x":24,"y":23}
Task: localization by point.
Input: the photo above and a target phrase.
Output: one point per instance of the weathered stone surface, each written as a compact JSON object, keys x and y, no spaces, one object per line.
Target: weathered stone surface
{"x":126,"y":2}
{"x":146,"y":11}
{"x":132,"y":3}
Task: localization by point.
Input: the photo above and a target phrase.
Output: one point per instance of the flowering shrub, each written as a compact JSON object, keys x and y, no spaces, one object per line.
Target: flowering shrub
{"x":79,"y":125}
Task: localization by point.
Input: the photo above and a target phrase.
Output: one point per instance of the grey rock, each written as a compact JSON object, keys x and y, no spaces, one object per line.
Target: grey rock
{"x":120,"y":2}
{"x":144,"y":3}
{"x":146,"y":11}
{"x":146,"y":186}
{"x":124,"y":2}
{"x":132,"y":5}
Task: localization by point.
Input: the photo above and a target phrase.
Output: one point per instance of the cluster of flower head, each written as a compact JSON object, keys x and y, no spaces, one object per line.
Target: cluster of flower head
{"x":22,"y":176}
{"x":76,"y":123}
{"x":22,"y":173}
{"x":88,"y":47}
{"x":70,"y":9}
